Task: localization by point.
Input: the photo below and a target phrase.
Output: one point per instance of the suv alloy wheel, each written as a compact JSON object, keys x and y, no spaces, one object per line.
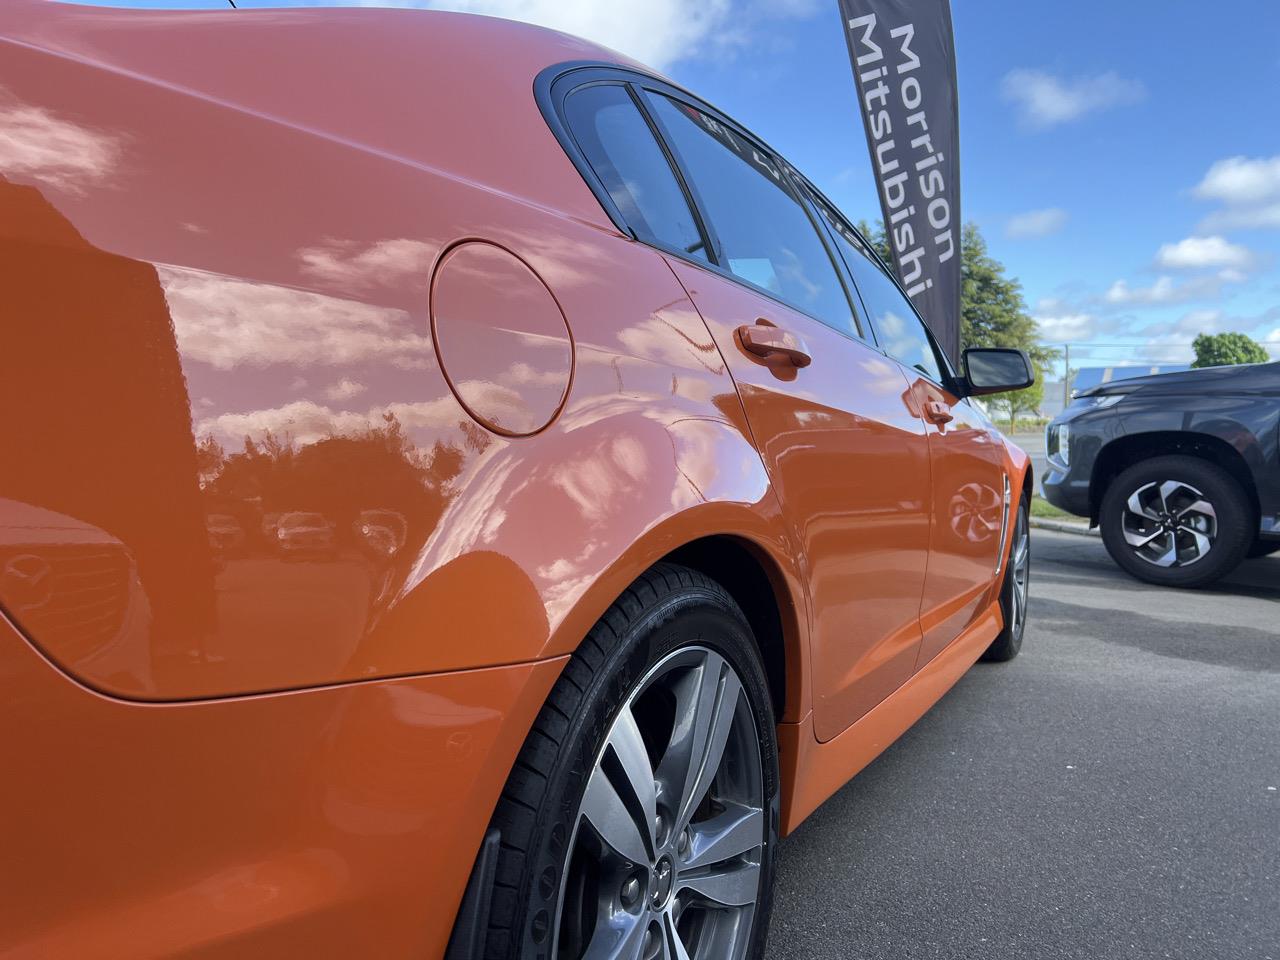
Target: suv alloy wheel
{"x":1176,"y":521}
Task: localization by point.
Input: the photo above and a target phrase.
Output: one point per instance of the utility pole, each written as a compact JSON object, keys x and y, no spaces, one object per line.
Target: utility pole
{"x":1066,"y":375}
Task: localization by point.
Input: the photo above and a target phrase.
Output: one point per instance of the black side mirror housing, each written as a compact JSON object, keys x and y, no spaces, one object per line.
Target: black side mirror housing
{"x":996,"y":370}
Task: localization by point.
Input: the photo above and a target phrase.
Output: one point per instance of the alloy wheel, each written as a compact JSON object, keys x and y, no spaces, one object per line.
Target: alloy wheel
{"x":1169,"y":523}
{"x":665,"y":856}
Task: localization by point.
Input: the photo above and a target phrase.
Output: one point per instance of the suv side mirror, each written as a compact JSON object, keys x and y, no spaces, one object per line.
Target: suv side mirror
{"x":995,"y":370}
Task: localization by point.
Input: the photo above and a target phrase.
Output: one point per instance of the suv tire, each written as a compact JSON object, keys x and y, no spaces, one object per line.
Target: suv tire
{"x":1176,"y":521}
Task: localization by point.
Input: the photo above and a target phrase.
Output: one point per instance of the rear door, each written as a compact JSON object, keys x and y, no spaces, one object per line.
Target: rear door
{"x":831,"y":415}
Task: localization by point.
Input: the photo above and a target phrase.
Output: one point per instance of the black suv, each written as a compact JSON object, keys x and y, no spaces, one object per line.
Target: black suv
{"x":1180,"y":470}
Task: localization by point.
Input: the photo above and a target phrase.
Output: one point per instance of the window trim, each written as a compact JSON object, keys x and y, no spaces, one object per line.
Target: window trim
{"x":554,"y":84}
{"x":715,"y":252}
{"x":634,"y":230}
{"x":549,"y":91}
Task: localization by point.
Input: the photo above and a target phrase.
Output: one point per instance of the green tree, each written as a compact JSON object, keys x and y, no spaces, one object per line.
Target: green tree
{"x":877,"y":238}
{"x":1223,"y":349}
{"x":993,"y":313}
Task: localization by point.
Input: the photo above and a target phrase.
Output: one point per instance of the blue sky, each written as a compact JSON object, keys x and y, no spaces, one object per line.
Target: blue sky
{"x":1122,"y":159}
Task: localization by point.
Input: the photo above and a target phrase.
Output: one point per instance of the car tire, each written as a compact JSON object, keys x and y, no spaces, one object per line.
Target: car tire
{"x":1014,"y":591}
{"x":1176,"y":521}
{"x":667,"y":674}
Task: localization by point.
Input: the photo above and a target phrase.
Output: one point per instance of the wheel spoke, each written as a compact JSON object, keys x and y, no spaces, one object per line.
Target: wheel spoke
{"x":1020,"y":554}
{"x":735,"y":885}
{"x":1136,"y":506}
{"x":1167,"y":489}
{"x":706,"y":701}
{"x":1142,"y":539}
{"x":673,"y":947}
{"x":1169,"y":557}
{"x":619,"y":937}
{"x":737,"y":830}
{"x":1202,"y":542}
{"x":620,"y":800}
{"x":1203,"y":507}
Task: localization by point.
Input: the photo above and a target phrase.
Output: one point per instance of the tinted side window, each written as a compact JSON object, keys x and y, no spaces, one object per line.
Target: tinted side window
{"x":617,"y":142}
{"x":899,"y":329}
{"x":765,"y":235}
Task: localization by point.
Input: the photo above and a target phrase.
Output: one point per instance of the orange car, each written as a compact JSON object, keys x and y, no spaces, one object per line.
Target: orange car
{"x":650,"y":511}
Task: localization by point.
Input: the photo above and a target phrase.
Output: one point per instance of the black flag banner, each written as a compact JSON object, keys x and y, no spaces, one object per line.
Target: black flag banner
{"x":904,"y":63}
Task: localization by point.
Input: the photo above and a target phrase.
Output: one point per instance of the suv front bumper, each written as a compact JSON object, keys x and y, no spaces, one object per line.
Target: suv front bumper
{"x":1065,"y":488}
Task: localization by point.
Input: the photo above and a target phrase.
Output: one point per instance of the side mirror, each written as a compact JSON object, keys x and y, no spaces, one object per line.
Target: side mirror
{"x":996,"y":370}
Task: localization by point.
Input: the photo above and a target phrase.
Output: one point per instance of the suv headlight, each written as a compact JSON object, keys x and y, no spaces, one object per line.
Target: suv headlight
{"x":1057,"y":443}
{"x":1101,"y":401}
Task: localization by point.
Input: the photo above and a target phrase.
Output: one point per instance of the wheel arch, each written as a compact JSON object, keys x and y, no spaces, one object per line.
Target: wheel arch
{"x":1028,"y":484}
{"x":744,"y":549}
{"x":758,"y":586}
{"x":1123,"y":452}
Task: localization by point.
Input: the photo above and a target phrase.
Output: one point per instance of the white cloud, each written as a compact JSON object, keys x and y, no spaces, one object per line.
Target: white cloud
{"x":1066,"y":327}
{"x":345,"y":389}
{"x":1165,"y":290}
{"x":1241,"y":180}
{"x":1264,"y":217}
{"x":1185,"y":327}
{"x":39,"y":144}
{"x":1200,"y":321}
{"x":1036,"y":223}
{"x":1172,"y":348}
{"x":228,"y":322}
{"x":1045,"y":100}
{"x":1198,"y":252}
{"x":656,"y":32}
{"x":1248,"y":189}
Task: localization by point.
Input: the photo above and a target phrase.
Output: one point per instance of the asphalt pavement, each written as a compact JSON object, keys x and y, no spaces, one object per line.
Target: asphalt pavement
{"x":1113,"y":792}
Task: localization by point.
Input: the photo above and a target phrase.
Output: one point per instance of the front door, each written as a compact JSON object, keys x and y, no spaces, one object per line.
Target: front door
{"x":970,"y":492}
{"x":971,"y":498}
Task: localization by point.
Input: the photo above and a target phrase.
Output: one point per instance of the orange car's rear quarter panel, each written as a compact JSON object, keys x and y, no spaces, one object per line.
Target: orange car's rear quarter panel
{"x":337,"y":822}
{"x":295,"y":269}
{"x":269,"y":753}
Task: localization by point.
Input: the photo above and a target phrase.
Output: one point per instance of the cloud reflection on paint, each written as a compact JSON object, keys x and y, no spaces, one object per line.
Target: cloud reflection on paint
{"x":39,"y":144}
{"x":229,"y":322}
